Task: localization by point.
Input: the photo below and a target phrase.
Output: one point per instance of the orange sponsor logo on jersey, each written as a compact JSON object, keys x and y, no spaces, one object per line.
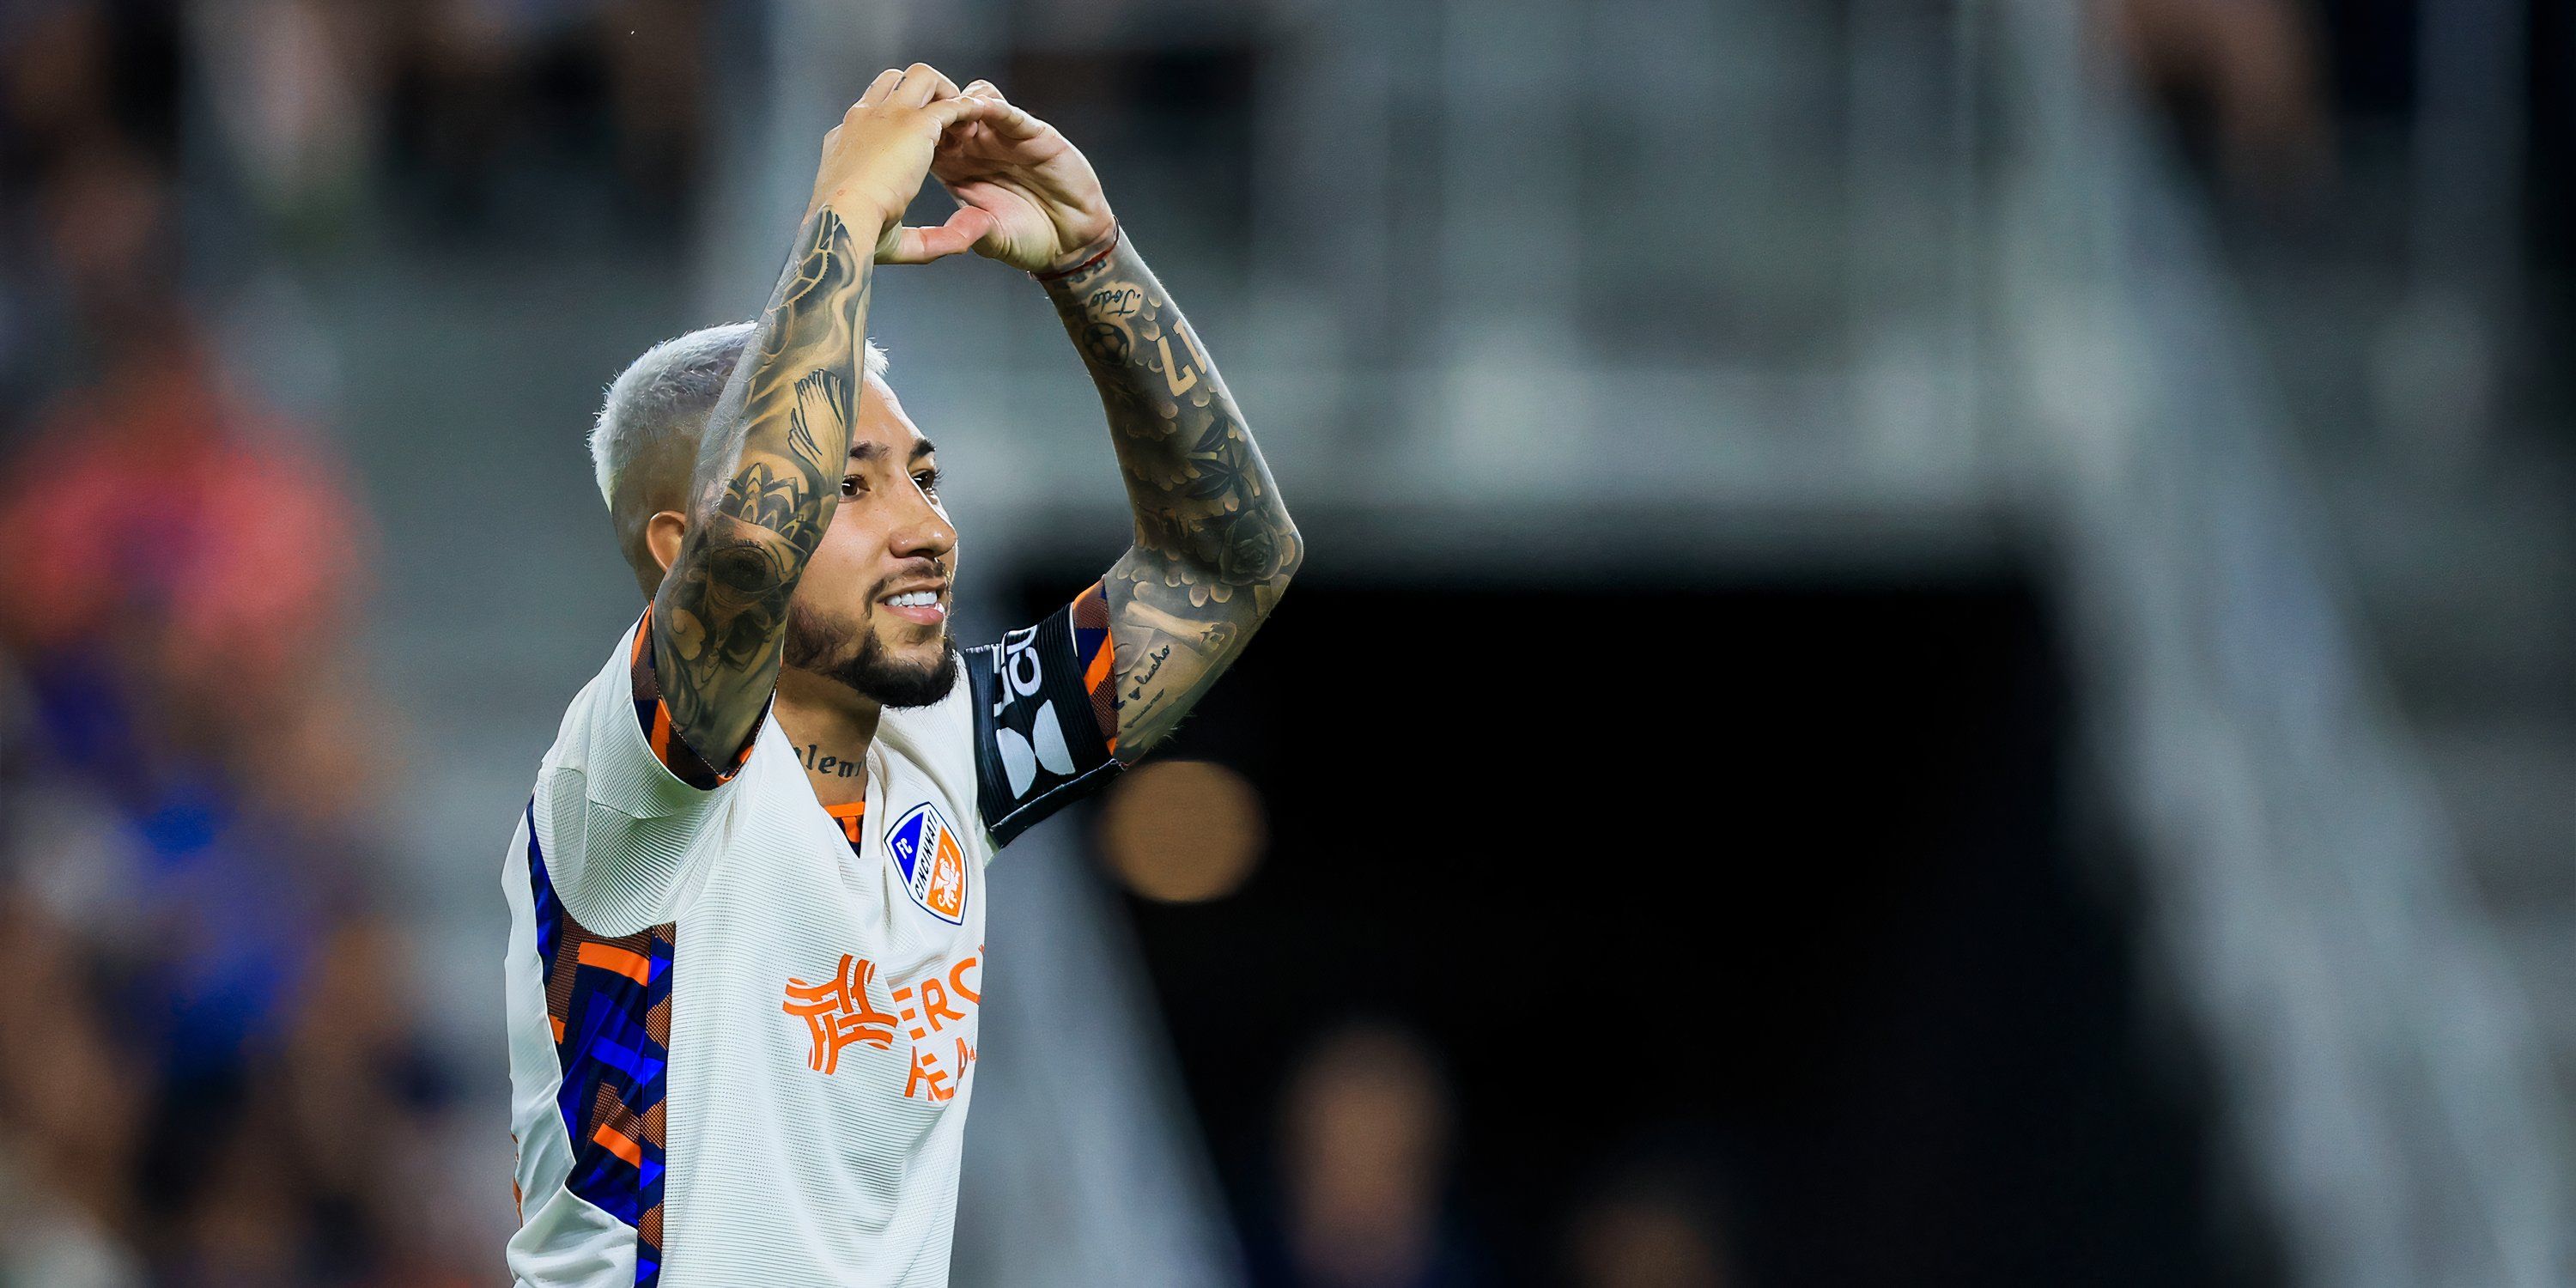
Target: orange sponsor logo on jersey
{"x":838,"y":1013}
{"x":932,"y":1012}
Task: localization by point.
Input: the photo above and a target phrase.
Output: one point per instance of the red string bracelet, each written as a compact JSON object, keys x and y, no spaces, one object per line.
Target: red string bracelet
{"x":1116,"y":231}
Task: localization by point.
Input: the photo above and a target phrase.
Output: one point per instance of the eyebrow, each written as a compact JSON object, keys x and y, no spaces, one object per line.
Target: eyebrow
{"x":870,"y":451}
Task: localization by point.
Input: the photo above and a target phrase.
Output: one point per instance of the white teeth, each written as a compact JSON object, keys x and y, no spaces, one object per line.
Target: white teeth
{"x":917,"y":599}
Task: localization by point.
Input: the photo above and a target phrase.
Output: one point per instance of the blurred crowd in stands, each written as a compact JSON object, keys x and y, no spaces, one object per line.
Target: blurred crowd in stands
{"x":208,"y":1073}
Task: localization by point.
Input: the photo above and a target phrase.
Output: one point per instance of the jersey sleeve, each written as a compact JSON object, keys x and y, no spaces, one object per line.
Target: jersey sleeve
{"x":623,"y":800}
{"x":1046,"y":718}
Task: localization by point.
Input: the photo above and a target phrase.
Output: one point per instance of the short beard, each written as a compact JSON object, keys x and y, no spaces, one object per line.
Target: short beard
{"x":823,"y":649}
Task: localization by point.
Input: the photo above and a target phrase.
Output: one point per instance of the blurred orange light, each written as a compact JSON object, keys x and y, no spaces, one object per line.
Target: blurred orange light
{"x":1183,"y":831}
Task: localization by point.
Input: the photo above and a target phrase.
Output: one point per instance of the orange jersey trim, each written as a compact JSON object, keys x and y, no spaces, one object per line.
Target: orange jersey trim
{"x":620,"y":1144}
{"x":610,"y":957}
{"x":852,"y":818}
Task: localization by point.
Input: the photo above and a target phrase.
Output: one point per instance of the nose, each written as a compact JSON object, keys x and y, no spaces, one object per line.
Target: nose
{"x":924,"y":533}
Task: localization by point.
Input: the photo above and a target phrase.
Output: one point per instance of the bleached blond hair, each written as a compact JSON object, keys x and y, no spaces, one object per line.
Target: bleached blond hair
{"x":670,"y":391}
{"x":644,"y":444}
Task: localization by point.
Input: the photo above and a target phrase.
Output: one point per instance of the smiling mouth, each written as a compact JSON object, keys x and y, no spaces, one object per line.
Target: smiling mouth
{"x":920,"y":607}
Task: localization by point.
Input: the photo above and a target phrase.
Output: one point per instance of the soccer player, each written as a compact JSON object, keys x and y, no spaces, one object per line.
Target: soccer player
{"x":747,"y":897}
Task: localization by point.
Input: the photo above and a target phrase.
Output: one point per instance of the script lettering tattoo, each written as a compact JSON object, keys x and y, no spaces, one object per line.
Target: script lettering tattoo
{"x":766,"y":487}
{"x":1136,"y":685}
{"x":1214,"y":545}
{"x":817,"y":761}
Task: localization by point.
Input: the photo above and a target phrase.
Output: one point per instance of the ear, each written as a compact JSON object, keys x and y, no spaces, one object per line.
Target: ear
{"x":662,"y":535}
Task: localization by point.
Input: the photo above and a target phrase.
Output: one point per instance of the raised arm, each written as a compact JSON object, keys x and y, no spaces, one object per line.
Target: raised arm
{"x":1214,"y":547}
{"x":779,"y":438}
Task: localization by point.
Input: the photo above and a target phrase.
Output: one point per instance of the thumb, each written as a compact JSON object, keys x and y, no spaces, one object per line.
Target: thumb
{"x":922,"y":245}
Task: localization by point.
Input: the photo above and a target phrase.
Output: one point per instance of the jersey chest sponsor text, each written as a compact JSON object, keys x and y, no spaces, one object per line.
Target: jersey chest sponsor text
{"x":933,"y":1012}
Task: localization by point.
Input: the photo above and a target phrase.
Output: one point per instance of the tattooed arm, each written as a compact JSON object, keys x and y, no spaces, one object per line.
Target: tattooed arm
{"x":779,"y":437}
{"x":1214,"y":547}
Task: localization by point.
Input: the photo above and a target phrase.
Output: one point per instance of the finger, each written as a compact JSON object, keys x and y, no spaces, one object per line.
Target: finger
{"x":951,"y":112}
{"x":967,"y":154}
{"x":967,"y":132}
{"x":958,"y":235}
{"x":954,"y":150}
{"x":1010,"y":122}
{"x":922,"y":83}
{"x":877,"y":89}
{"x":966,"y":128}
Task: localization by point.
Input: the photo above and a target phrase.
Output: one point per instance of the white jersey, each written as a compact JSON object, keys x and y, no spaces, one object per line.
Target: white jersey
{"x":743,"y":1027}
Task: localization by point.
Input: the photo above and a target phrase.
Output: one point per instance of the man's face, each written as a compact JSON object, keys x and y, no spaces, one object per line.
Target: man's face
{"x":871,"y":612}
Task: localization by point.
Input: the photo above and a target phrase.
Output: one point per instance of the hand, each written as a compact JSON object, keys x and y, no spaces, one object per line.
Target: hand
{"x":875,"y":160}
{"x":1031,"y":197}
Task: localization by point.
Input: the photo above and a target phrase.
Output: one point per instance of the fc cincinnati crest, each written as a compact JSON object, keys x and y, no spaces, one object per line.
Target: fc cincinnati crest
{"x":932,"y":860}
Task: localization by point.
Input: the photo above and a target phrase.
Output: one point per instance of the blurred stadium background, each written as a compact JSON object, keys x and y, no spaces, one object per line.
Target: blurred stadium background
{"x":1937,"y":648}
